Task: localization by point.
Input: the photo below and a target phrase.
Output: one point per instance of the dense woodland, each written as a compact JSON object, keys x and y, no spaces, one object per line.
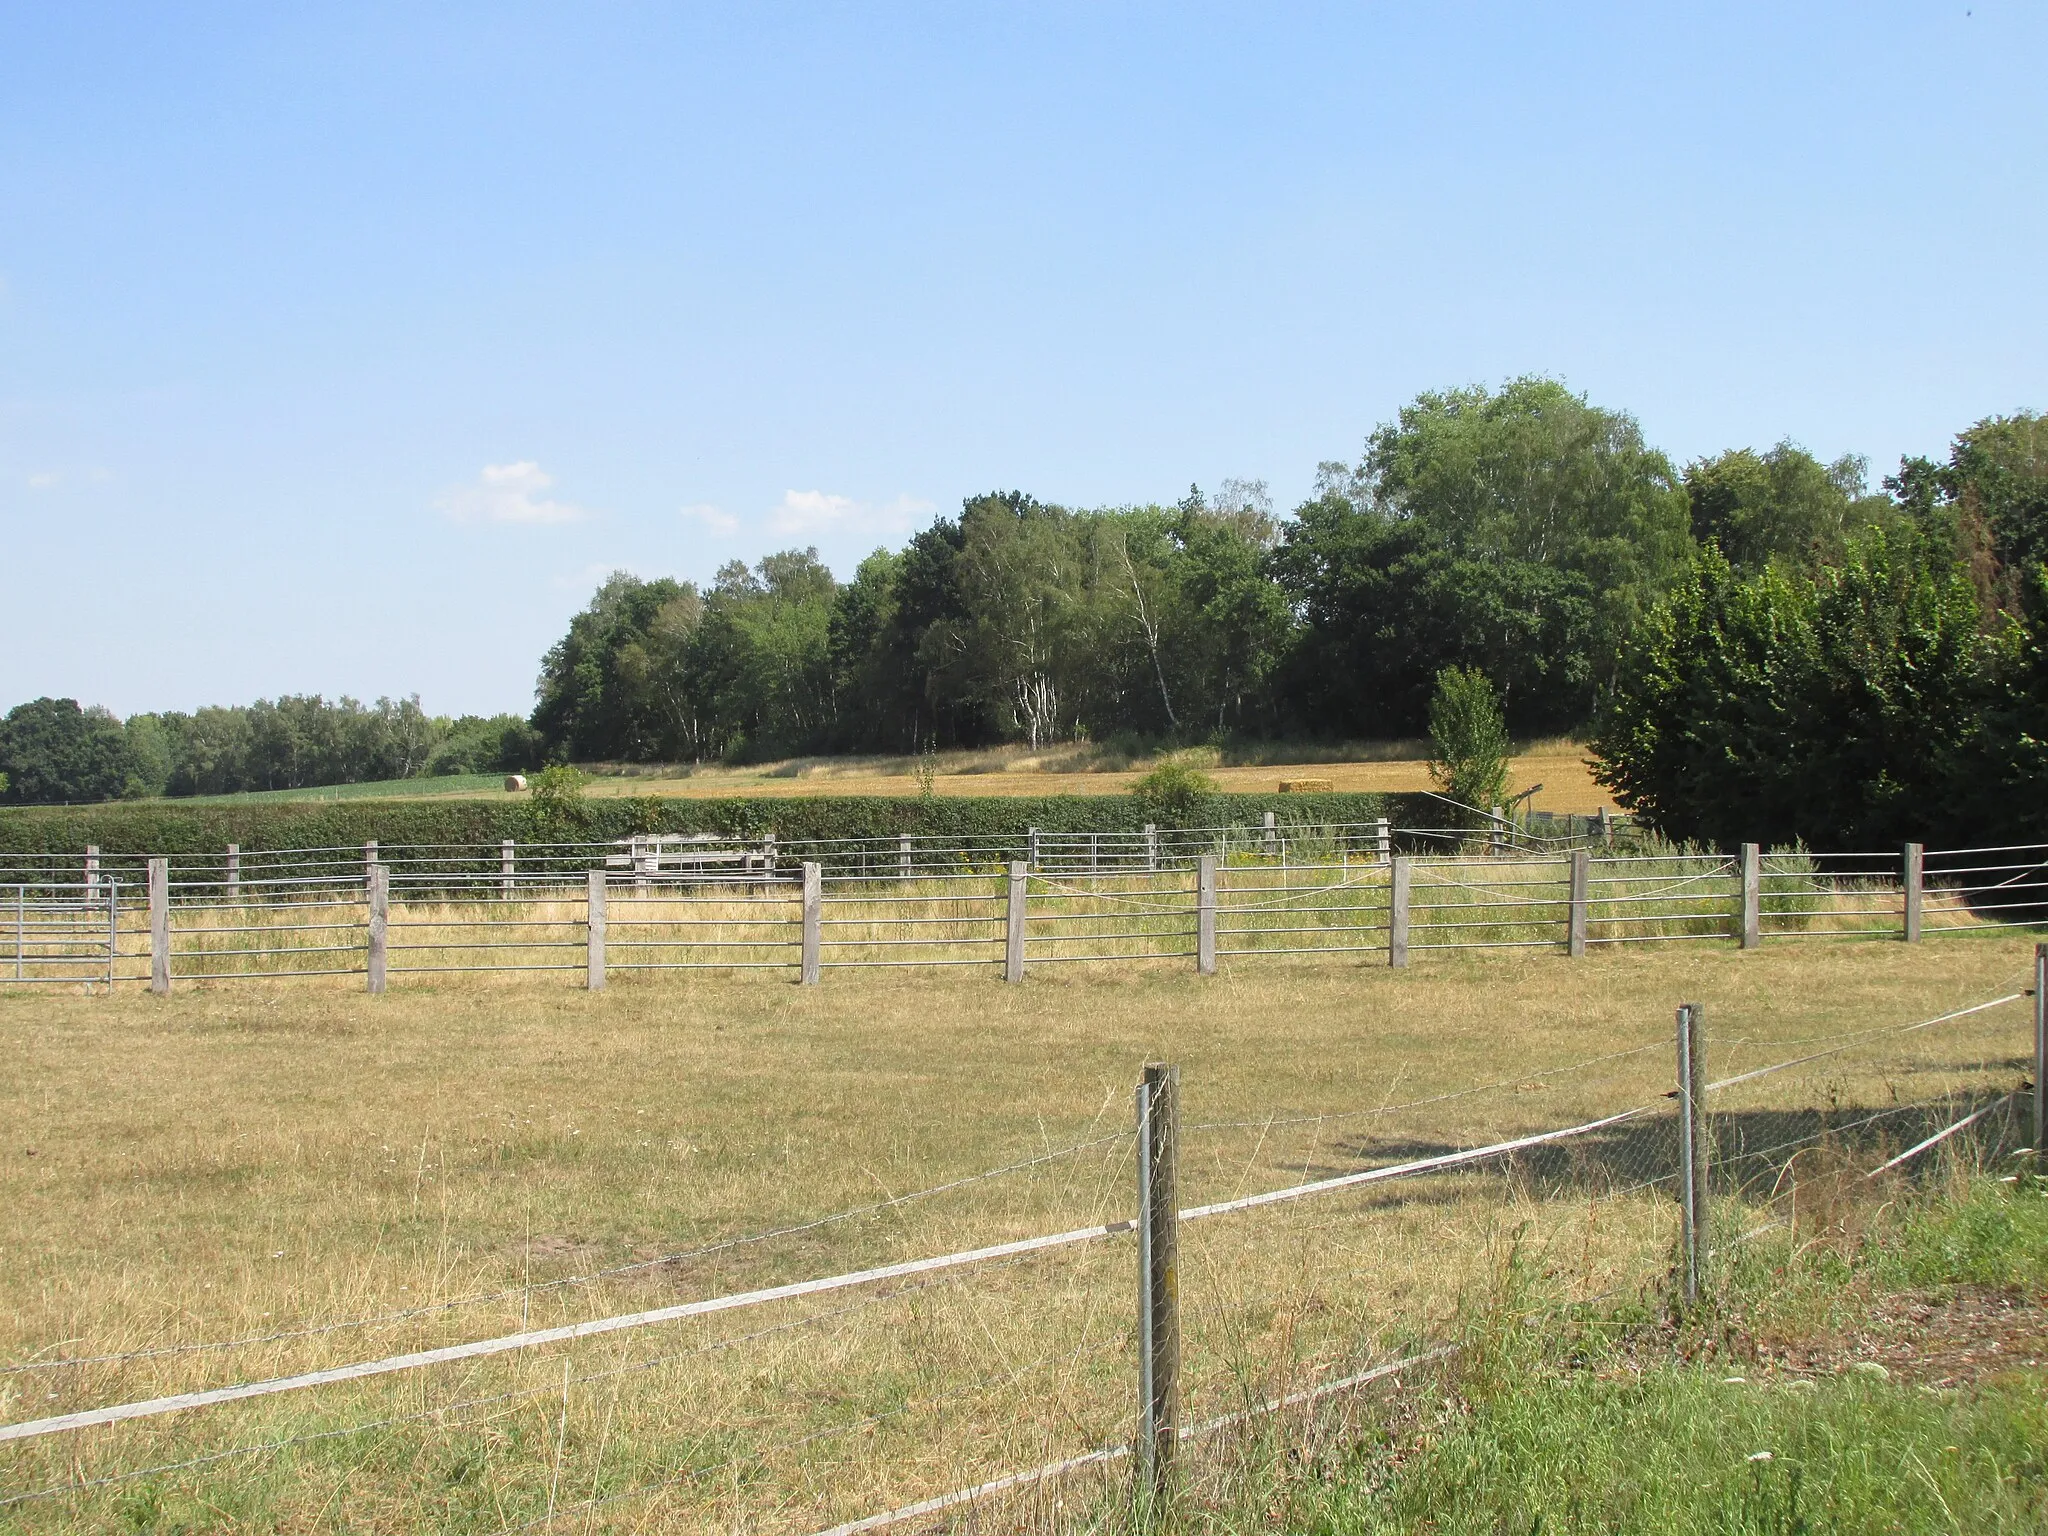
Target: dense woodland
{"x":1741,"y":636}
{"x":1524,"y":532}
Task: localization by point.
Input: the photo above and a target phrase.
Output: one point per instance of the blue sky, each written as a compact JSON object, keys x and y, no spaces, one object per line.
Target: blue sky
{"x":343,"y":350}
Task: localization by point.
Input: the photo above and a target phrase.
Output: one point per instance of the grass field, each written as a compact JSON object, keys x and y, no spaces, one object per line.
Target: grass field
{"x":254,"y":1163}
{"x":1393,"y":767}
{"x":1897,"y":1381}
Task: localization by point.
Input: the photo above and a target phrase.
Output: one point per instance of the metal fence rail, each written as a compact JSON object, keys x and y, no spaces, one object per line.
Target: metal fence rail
{"x":62,"y":936}
{"x":704,"y":905}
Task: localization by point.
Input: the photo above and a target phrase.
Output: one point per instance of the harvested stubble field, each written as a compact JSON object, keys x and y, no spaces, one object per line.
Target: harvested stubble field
{"x":1560,"y":767}
{"x":328,"y":1177}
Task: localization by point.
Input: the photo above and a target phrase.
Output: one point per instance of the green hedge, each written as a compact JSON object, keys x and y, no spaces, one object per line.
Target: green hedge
{"x":168,"y":827}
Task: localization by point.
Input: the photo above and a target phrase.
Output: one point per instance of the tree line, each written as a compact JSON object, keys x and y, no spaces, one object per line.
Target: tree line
{"x":1895,"y":692}
{"x":1522,"y":534}
{"x":53,"y":751}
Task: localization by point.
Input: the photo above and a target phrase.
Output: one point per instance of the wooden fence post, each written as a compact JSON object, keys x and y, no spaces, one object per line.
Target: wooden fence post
{"x":1582,"y":881}
{"x":1397,"y":910}
{"x":1496,"y":838}
{"x":1014,"y":918}
{"x":1031,"y":854}
{"x":380,"y":922}
{"x":159,"y":925}
{"x":369,"y":857}
{"x":1752,"y":929}
{"x":234,"y":871}
{"x":1692,"y":1147}
{"x":1151,"y":848}
{"x":92,"y":873}
{"x":1382,"y":840}
{"x":1605,"y":827}
{"x":1914,"y":886}
{"x":903,"y":855}
{"x":1205,"y":914}
{"x":1270,"y":842}
{"x":594,"y":925}
{"x":813,"y":929}
{"x":1159,"y":1276}
{"x":2041,"y":1057}
{"x":507,"y":866}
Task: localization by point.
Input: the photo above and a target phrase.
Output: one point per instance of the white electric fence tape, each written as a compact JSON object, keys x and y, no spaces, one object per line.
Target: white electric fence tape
{"x":534,"y":1338}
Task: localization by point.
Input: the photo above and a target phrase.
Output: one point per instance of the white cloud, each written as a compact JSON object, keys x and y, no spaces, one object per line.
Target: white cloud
{"x":588,"y":579}
{"x":711,"y":517}
{"x":810,"y":513}
{"x":43,"y":480}
{"x":509,"y":493}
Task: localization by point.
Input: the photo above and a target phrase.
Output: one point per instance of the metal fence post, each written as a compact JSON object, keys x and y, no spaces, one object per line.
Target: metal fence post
{"x":113,"y":931}
{"x":1752,"y":929}
{"x":814,"y":905}
{"x":1692,"y":1147}
{"x":1582,"y":881}
{"x":234,"y":871}
{"x":380,"y":922}
{"x":1014,"y":918}
{"x":2041,"y":1057}
{"x":507,"y":865}
{"x":1159,"y":1276}
{"x":1205,"y":914}
{"x":1915,"y":889}
{"x":594,"y":925}
{"x":159,"y":925}
{"x":1397,"y":910}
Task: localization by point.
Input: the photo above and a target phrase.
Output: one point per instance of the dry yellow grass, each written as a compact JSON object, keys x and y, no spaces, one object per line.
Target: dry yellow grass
{"x":1560,"y":767}
{"x":248,"y":1161}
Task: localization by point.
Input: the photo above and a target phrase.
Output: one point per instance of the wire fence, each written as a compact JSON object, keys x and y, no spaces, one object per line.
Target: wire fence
{"x":689,"y":905}
{"x":1315,"y":1256}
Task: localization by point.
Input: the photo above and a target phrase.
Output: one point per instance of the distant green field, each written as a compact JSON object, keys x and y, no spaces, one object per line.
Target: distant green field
{"x":378,"y":789}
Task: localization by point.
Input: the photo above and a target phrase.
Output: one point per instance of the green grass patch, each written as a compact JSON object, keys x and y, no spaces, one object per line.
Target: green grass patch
{"x":1987,"y":1234}
{"x":1542,"y":1448}
{"x":1616,"y":1423}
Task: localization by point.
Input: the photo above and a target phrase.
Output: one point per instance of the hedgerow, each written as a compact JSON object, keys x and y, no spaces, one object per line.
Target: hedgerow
{"x":166,"y":827}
